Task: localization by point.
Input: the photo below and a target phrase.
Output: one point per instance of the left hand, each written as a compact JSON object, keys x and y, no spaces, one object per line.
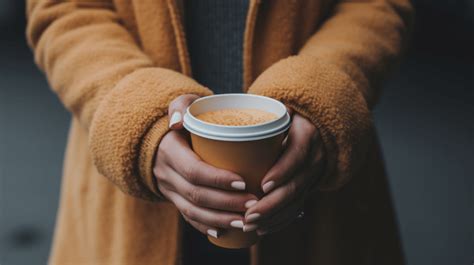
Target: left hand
{"x":287,"y":183}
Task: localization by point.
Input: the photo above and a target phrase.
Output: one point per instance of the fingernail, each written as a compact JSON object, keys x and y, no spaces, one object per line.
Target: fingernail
{"x":237,"y":224}
{"x":250,"y":203}
{"x":268,"y":186}
{"x":252,"y":217}
{"x":261,"y":232}
{"x":212,"y":232}
{"x":175,"y":118}
{"x":250,"y":227}
{"x":238,"y":185}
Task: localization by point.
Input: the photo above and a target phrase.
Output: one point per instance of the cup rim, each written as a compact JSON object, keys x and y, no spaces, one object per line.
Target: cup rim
{"x":238,"y":133}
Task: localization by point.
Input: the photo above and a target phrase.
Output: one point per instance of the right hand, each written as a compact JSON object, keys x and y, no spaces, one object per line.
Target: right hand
{"x":210,"y":199}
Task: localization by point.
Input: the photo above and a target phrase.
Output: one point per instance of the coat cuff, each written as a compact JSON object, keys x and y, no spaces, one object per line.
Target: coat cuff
{"x":147,"y":154}
{"x":129,"y":123}
{"x":332,"y":101}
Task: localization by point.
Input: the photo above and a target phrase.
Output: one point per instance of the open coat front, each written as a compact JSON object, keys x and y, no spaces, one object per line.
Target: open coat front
{"x":116,"y":65}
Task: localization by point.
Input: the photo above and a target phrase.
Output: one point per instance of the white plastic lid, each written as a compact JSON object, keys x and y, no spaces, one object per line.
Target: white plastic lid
{"x":236,"y":133}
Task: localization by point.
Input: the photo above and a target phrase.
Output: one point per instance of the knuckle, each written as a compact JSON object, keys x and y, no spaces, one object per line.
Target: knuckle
{"x":165,"y":143}
{"x":213,"y":177}
{"x":219,"y":179}
{"x":195,"y":196}
{"x":216,"y":180}
{"x":160,"y":177}
{"x":189,"y":170}
{"x":291,"y":188}
{"x":192,"y":178}
{"x":189,"y":213}
{"x":157,"y":173}
{"x":232,"y":204}
{"x":161,"y":154}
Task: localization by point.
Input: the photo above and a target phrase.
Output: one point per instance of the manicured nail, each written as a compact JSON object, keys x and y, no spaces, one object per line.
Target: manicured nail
{"x":237,"y":224}
{"x":261,"y":232}
{"x":212,"y":232}
{"x":252,"y":217}
{"x":268,"y":186}
{"x":250,"y":227}
{"x":250,"y":203}
{"x":238,"y":185}
{"x":175,"y":118}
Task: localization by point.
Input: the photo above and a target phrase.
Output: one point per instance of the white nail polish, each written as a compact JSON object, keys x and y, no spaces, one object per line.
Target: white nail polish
{"x":212,"y":232}
{"x":237,"y":224}
{"x":268,"y":186}
{"x":250,"y":203}
{"x":238,"y":185}
{"x":252,"y":217}
{"x":250,"y":227}
{"x":175,"y":118}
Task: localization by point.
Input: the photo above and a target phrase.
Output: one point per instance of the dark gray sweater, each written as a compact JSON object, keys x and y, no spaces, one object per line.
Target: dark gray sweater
{"x":214,"y":33}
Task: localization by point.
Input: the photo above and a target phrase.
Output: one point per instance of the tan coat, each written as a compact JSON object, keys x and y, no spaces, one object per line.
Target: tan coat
{"x":117,"y":64}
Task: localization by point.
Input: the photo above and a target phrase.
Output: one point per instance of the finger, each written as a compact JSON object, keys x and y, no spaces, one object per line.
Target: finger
{"x":212,"y":231}
{"x":276,"y":221}
{"x":281,"y":218}
{"x":183,"y":160}
{"x":210,"y":197}
{"x":276,"y":200}
{"x":204,"y":216}
{"x":295,"y":155}
{"x":177,"y":108}
{"x":276,"y":205}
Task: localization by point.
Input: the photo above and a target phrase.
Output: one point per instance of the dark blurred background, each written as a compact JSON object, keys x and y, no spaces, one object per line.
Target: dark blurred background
{"x":425,"y":119}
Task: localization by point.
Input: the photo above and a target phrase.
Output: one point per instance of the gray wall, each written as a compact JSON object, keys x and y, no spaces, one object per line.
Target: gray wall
{"x":425,"y":121}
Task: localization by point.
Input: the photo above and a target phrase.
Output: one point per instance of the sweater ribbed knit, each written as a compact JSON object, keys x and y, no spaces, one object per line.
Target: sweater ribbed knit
{"x":214,"y":33}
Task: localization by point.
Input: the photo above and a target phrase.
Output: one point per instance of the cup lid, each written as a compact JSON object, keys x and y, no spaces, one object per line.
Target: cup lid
{"x":236,"y":133}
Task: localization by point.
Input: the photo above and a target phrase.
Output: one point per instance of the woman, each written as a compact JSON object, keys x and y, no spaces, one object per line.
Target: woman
{"x":122,"y":66}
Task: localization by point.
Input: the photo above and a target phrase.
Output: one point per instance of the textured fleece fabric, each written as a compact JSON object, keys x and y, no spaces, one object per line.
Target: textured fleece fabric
{"x":116,"y":65}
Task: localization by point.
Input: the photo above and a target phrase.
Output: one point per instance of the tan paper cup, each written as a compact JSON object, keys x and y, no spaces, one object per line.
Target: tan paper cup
{"x":249,"y":151}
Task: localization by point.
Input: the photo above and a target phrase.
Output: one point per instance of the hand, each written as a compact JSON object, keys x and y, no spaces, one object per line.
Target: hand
{"x":288,"y":181}
{"x":208,"y":198}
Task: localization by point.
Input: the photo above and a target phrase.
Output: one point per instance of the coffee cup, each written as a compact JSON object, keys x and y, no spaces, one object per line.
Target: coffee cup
{"x":247,"y":150}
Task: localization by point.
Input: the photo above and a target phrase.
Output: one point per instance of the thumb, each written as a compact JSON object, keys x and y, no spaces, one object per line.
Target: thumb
{"x":177,"y":108}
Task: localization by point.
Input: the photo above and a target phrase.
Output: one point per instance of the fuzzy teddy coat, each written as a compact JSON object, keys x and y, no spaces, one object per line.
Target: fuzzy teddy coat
{"x":116,"y":65}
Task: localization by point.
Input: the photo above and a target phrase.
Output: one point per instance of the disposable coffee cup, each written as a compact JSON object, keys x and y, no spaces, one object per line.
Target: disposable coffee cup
{"x":249,"y":150}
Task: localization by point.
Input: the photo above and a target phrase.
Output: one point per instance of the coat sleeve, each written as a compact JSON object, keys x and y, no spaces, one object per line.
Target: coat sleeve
{"x":109,"y":84}
{"x":334,"y":79}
